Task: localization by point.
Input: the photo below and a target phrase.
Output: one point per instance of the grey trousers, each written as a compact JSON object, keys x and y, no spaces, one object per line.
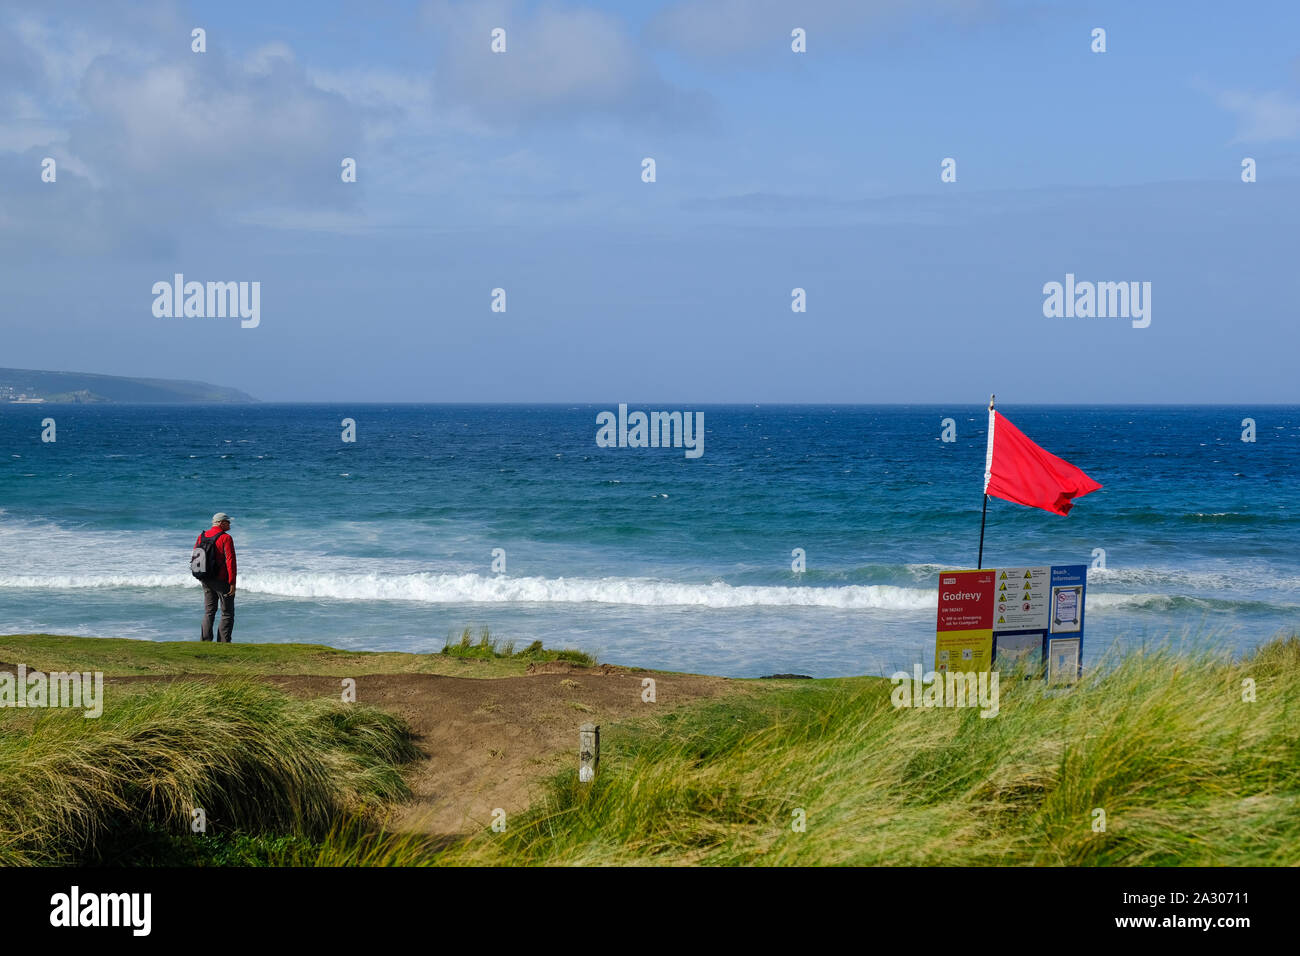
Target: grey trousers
{"x":212,"y":593}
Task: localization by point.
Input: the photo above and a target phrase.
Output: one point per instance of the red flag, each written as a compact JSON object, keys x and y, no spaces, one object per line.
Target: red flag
{"x":1016,"y":469}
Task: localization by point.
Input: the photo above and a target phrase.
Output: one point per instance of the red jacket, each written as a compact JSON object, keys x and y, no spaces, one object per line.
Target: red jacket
{"x":226,"y":545}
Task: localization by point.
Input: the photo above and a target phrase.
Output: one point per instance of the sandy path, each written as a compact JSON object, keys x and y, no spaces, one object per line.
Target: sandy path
{"x":489,"y":742}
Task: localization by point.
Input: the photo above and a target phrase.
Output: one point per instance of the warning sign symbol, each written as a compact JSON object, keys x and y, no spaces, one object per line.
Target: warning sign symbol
{"x":1004,"y":576}
{"x":1028,"y":575}
{"x":1002,"y":587}
{"x":1002,"y":620}
{"x":1028,"y":586}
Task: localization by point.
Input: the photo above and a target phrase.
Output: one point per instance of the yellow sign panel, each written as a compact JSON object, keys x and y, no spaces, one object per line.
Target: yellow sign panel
{"x":964,"y":650}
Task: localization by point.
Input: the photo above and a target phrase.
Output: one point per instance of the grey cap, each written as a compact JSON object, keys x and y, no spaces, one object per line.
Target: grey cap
{"x":219,"y":517}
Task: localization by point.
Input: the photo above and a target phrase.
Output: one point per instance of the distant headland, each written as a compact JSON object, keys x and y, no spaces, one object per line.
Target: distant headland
{"x":27,"y":386}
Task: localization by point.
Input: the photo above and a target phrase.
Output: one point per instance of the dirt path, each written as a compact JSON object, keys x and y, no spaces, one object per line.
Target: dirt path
{"x":489,"y":742}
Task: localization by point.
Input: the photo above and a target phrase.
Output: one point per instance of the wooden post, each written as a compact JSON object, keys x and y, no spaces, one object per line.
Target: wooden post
{"x":588,"y":752}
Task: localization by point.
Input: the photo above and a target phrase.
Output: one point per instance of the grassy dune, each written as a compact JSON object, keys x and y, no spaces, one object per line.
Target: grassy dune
{"x":1186,"y":771}
{"x":74,"y":790}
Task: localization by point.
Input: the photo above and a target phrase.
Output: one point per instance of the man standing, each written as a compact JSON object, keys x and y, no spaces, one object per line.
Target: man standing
{"x":221,"y":587}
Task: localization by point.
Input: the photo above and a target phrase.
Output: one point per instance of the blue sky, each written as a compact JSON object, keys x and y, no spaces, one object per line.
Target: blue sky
{"x":775,"y":170}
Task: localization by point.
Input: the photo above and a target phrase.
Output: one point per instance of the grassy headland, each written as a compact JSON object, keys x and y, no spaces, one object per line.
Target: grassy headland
{"x":93,"y":387}
{"x":462,"y":656}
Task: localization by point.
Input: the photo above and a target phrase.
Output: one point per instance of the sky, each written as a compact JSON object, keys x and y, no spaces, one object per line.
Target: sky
{"x":775,"y":170}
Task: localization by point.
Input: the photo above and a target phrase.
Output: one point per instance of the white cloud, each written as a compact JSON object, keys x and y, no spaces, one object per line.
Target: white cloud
{"x":209,"y":131}
{"x":262,"y":60}
{"x":57,"y":56}
{"x":18,"y":137}
{"x":560,"y":63}
{"x":1263,"y":117}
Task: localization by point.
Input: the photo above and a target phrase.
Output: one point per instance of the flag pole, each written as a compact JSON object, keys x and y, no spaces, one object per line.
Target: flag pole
{"x":988,"y":464}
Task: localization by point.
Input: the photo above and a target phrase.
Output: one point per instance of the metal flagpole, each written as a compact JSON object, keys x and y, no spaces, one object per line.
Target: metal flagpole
{"x":988,"y":465}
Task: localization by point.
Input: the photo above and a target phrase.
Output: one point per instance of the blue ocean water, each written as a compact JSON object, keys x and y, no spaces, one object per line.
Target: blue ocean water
{"x":643,"y":556}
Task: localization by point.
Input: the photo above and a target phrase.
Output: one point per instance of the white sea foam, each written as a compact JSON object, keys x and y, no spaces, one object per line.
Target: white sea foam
{"x":1099,"y":601}
{"x":628,"y":592}
{"x":482,"y":589}
{"x":47,"y":555}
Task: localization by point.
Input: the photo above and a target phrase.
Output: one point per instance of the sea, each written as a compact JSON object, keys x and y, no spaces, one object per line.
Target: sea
{"x":438,"y":518}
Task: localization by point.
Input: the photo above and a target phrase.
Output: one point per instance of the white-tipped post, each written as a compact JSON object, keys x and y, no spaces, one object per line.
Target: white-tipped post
{"x":588,"y":752}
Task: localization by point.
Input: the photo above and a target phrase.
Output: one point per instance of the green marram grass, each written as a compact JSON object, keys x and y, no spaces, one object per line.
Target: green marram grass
{"x":1186,"y":771}
{"x":252,"y":758}
{"x":488,"y":648}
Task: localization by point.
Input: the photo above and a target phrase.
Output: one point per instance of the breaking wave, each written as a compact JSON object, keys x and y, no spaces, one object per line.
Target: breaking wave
{"x":481,"y":589}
